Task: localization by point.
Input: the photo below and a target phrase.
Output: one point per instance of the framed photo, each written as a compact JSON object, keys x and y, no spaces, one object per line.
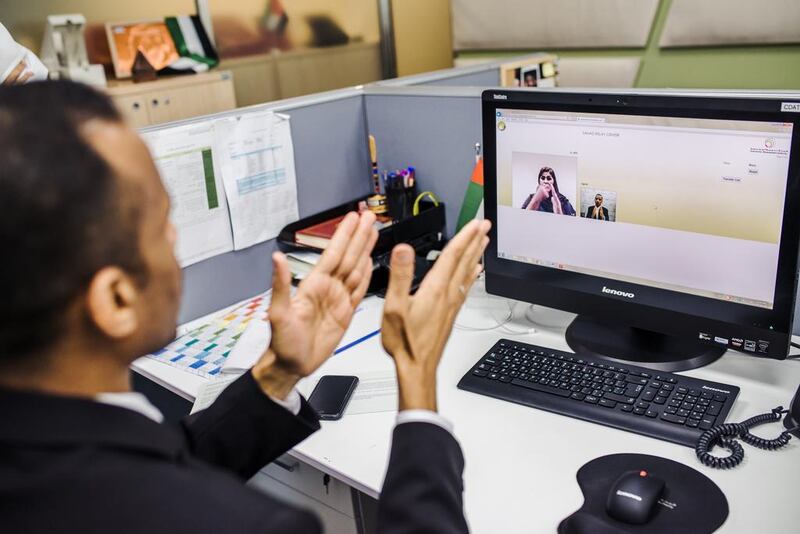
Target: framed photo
{"x":152,"y":37}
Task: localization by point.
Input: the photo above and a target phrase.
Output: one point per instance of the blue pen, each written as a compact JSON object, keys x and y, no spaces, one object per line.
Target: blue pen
{"x":356,"y":342}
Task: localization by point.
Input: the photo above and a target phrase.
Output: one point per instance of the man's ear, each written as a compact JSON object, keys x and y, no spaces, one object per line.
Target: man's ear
{"x":111,"y":302}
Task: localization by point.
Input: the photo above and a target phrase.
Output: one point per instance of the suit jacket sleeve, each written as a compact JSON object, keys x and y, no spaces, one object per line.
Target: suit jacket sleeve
{"x":243,"y":430}
{"x":423,"y":489}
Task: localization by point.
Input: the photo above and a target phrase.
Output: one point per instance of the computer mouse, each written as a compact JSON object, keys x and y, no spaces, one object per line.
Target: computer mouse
{"x":633,"y":497}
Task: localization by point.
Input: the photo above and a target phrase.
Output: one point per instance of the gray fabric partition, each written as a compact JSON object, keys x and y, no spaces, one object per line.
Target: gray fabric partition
{"x":332,"y":165}
{"x":487,"y":78}
{"x":433,"y":129}
{"x":481,"y":75}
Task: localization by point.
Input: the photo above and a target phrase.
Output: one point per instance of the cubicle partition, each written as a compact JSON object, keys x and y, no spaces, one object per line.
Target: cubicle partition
{"x":481,"y":75}
{"x":332,"y":166}
{"x":433,"y":129}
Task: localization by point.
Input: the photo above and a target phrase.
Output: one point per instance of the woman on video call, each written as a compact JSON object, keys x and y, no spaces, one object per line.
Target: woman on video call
{"x":547,"y":197}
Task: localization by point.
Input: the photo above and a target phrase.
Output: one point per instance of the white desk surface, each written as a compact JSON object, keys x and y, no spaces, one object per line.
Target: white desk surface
{"x":521,"y":462}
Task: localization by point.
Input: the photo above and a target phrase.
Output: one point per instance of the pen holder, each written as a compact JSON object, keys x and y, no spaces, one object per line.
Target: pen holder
{"x":401,"y":201}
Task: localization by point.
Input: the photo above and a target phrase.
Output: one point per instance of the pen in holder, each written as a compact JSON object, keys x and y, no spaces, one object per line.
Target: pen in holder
{"x":400,"y":200}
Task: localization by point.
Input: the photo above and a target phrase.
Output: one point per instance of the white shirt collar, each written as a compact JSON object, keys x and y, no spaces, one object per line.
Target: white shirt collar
{"x":132,"y":401}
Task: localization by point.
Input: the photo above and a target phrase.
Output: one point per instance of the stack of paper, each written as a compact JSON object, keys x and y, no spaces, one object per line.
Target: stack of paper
{"x":302,"y":262}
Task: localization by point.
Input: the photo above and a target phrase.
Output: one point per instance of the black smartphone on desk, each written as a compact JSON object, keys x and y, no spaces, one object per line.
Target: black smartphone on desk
{"x":331,"y":395}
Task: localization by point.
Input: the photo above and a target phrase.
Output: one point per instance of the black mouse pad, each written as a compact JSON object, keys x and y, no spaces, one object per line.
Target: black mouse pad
{"x":690,"y":502}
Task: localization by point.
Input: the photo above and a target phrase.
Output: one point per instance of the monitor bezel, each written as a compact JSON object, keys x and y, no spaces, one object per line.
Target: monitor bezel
{"x":655,"y":309}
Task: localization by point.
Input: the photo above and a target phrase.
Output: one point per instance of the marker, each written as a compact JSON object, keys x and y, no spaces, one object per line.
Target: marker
{"x":373,"y":154}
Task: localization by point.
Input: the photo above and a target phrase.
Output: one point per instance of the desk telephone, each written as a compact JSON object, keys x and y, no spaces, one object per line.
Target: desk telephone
{"x":724,"y":435}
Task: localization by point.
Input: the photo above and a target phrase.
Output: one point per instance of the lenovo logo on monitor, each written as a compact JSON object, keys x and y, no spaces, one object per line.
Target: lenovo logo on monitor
{"x":618,"y":293}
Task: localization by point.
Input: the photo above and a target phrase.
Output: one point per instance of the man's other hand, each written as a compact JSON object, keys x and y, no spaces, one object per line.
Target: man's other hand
{"x":307,"y":327}
{"x":416,"y":328}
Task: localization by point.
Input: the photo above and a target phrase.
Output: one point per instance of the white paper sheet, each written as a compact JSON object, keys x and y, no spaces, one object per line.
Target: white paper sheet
{"x":209,"y":392}
{"x":249,"y":348}
{"x":190,"y":173}
{"x":376,"y":392}
{"x":255,"y":338}
{"x":257,"y":163}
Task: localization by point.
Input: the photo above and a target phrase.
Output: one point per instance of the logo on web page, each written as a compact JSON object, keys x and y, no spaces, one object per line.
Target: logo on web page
{"x":769,"y":142}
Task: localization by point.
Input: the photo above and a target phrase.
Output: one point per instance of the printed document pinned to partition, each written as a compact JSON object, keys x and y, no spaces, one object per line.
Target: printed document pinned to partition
{"x":187,"y":164}
{"x":257,"y":163}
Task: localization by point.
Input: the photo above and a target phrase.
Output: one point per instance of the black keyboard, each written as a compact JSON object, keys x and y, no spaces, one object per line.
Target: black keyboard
{"x":661,"y":405}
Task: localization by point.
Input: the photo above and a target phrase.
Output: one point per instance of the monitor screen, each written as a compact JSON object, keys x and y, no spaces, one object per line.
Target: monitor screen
{"x":666,"y":202}
{"x":669,"y":213}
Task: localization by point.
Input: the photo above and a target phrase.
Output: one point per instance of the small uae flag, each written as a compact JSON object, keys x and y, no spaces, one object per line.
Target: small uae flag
{"x":472,"y":207}
{"x":276,"y":18}
{"x":193,"y":45}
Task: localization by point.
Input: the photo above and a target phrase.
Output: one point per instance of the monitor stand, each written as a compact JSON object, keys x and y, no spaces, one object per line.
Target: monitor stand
{"x":586,"y":335}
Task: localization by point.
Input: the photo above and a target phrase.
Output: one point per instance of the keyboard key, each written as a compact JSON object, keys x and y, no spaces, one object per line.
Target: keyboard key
{"x":683,"y":413}
{"x":642,"y":404}
{"x":627,"y":407}
{"x":707,"y":395}
{"x":636,"y":380}
{"x":619,"y":398}
{"x":478,"y":372}
{"x":714,"y":408}
{"x":649,"y":395}
{"x":692,"y":423}
{"x":673,"y":418}
{"x":493,"y":376}
{"x":660,"y":400}
{"x":540,"y":387}
{"x":706,"y":423}
{"x":633,"y":390}
{"x":577,"y":396}
{"x":591,"y":399}
{"x":608,"y":403}
{"x":682,"y":389}
{"x":639,"y":411}
{"x":505,"y":378}
{"x":651,"y":413}
{"x":720,"y":398}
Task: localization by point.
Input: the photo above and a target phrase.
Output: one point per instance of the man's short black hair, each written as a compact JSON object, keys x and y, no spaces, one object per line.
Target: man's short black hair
{"x":63,"y":216}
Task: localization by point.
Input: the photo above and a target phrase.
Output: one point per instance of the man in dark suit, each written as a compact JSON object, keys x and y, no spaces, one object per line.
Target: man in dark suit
{"x":598,"y":211}
{"x":90,"y":282}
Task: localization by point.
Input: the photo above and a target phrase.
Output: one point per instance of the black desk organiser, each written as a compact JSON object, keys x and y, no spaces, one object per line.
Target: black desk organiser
{"x":424,"y":232}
